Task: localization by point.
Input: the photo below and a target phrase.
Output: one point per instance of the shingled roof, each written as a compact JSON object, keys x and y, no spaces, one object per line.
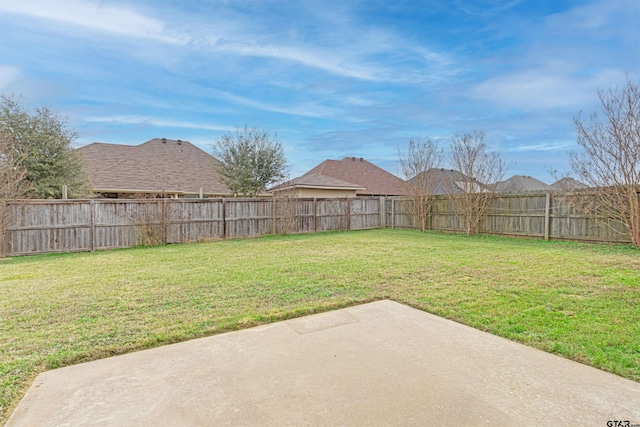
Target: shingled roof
{"x":445,"y":181}
{"x":316,"y":180}
{"x":376,"y":181}
{"x":156,"y":166}
{"x":521,"y":184}
{"x":568,"y":184}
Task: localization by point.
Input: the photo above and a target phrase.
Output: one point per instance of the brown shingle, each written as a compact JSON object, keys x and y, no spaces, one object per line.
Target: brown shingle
{"x":444,"y":181}
{"x":377,"y":181}
{"x":521,"y":184}
{"x":316,"y":180}
{"x":567,"y":184}
{"x":158,"y":165}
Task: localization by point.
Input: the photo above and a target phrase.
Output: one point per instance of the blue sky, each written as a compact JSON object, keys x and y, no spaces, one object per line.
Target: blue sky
{"x":332,"y":78}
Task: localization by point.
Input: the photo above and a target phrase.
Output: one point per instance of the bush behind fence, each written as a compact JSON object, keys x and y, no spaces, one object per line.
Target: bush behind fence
{"x":46,"y":226}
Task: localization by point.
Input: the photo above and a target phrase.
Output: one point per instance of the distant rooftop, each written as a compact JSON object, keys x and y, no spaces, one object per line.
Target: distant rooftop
{"x":566,"y":184}
{"x":158,"y":165}
{"x":316,"y":180}
{"x":521,"y":184}
{"x":375,"y":180}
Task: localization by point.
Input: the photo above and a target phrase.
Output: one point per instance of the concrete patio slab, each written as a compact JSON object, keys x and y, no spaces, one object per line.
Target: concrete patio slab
{"x":381,"y":363}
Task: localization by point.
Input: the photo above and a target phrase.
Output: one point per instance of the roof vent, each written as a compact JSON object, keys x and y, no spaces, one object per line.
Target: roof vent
{"x":179,"y":142}
{"x":164,"y":140}
{"x":360,"y":158}
{"x":353,"y":159}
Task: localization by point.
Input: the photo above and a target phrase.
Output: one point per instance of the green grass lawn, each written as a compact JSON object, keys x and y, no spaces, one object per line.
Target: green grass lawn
{"x":578,"y":301}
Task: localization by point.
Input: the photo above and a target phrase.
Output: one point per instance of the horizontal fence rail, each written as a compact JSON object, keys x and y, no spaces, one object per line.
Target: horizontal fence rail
{"x":535,"y":215}
{"x":46,"y":226}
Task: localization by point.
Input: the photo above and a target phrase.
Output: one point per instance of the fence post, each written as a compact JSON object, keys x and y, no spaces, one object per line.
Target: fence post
{"x":64,"y":192}
{"x":92,"y":229}
{"x":274,"y":215}
{"x":315,"y":215}
{"x":224,"y":220}
{"x":382,"y":206}
{"x":4,"y":225}
{"x":348,"y":213}
{"x":547,"y":216}
{"x":165,"y":221}
{"x":393,"y":213}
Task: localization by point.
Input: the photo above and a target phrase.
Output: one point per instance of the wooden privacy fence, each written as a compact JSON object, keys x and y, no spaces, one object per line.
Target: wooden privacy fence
{"x":45,"y":226}
{"x":537,"y":215}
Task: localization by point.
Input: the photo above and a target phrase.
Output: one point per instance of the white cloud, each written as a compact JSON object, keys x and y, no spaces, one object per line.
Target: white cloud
{"x":347,"y":50}
{"x":598,"y":19}
{"x":93,"y":15}
{"x":484,"y":8}
{"x":359,"y":101}
{"x":306,"y":110}
{"x":145,"y":120}
{"x":544,"y":146}
{"x":9,"y":76}
{"x":309,"y":56}
{"x":545,"y":89}
{"x":529,"y":90}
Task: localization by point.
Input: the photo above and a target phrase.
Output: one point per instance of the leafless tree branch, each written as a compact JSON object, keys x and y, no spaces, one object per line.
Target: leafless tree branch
{"x":417,"y":168}
{"x":471,"y":190}
{"x":609,"y":160}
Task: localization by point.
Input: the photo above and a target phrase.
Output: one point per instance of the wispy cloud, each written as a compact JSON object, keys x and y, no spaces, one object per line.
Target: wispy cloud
{"x":534,"y":90}
{"x":562,"y":63}
{"x":311,"y":57}
{"x":599,"y":19}
{"x":347,"y":50}
{"x":341,"y":78}
{"x":544,"y":146}
{"x":9,"y":75}
{"x":484,"y":8}
{"x":306,"y":110}
{"x":151,"y":121}
{"x":94,"y":15}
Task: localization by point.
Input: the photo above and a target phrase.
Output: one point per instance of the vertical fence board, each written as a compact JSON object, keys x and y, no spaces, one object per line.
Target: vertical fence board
{"x":45,"y":226}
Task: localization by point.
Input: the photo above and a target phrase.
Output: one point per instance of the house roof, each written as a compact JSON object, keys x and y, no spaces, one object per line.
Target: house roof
{"x":521,"y":184}
{"x":375,"y":180}
{"x":316,"y":180}
{"x":158,"y":165}
{"x":567,"y":184}
{"x":443,"y":181}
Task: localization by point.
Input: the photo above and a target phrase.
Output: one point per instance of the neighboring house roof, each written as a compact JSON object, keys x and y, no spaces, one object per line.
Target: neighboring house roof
{"x":375,"y":180}
{"x":521,"y":184}
{"x":316,"y":180}
{"x":444,"y":181}
{"x":566,"y":184}
{"x":158,"y":165}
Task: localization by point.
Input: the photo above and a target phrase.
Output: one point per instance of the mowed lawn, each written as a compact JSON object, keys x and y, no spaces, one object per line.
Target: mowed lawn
{"x":577,"y":300}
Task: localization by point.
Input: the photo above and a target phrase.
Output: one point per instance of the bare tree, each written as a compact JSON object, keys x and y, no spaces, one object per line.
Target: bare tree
{"x":152,"y":219}
{"x":610,"y":157}
{"x":472,"y":189}
{"x":285,"y":205}
{"x":417,"y":168}
{"x":13,"y":182}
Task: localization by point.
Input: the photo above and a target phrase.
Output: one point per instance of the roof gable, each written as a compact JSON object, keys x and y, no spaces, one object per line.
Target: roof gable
{"x":446,"y":181}
{"x":521,"y":184}
{"x":316,"y":180}
{"x":375,"y":180}
{"x":567,"y":184}
{"x":158,"y":165}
